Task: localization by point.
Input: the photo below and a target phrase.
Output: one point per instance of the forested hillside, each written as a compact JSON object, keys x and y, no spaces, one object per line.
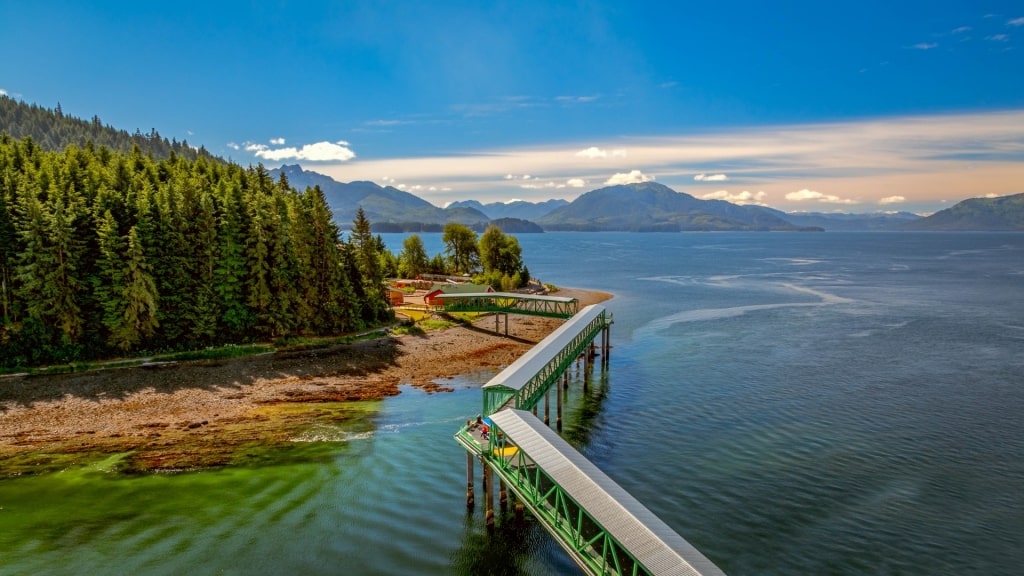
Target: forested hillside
{"x":53,"y":130}
{"x":104,"y":252}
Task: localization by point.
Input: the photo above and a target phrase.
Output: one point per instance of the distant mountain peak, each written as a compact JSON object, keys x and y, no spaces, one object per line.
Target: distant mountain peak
{"x":381,"y":205}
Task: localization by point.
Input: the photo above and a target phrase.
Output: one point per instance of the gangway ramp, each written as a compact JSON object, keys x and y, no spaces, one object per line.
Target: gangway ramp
{"x":510,"y":303}
{"x":525,"y":381}
{"x":604,"y":528}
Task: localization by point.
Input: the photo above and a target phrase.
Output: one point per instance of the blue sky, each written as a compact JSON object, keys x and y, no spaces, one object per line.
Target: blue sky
{"x":856,"y":107}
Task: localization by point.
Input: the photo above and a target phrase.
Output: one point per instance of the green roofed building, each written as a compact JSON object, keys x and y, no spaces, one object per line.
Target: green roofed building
{"x":451,"y":288}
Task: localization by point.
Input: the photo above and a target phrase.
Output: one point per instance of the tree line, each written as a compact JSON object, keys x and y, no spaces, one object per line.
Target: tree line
{"x":105,"y":253}
{"x":493,"y":258}
{"x":53,"y":130}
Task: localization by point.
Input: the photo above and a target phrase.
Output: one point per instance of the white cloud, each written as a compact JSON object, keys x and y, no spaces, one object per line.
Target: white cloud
{"x":711,"y":177}
{"x":318,"y":152}
{"x":1017,"y":22}
{"x":3,"y":92}
{"x":527,"y":176}
{"x":576,"y":182}
{"x":998,"y":38}
{"x":509,"y":177}
{"x":592,"y":152}
{"x":632,"y":177}
{"x":234,"y":146}
{"x":595,"y":152}
{"x":925,"y":46}
{"x":962,"y":30}
{"x":277,"y":141}
{"x":805,"y":194}
{"x":892,"y":200}
{"x":744,"y":197}
{"x":250,"y":147}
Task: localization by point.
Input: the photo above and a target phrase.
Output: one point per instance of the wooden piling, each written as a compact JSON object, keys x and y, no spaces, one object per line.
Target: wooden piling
{"x":547,"y":406}
{"x":470,"y":498}
{"x":488,"y":498}
{"x":558,"y":415}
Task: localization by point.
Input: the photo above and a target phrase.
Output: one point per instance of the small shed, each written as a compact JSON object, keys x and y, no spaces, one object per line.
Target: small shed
{"x":464,"y":288}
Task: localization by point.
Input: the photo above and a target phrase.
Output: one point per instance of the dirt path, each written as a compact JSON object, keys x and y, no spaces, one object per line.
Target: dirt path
{"x":198,"y":414}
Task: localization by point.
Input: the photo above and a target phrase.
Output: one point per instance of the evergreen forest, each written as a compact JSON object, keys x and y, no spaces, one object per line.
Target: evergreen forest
{"x":106,"y":253}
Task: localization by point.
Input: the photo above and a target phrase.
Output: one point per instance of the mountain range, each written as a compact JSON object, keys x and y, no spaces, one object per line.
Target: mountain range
{"x":641,"y":207}
{"x":650,"y":206}
{"x":516,"y":209}
{"x":1005,"y":213}
{"x":383,"y":205}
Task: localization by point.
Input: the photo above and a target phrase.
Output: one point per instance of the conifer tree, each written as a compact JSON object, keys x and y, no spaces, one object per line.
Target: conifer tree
{"x":257,"y":244}
{"x":204,"y":305}
{"x":140,"y":297}
{"x":230,"y":273}
{"x":110,"y":289}
{"x":365,"y":250}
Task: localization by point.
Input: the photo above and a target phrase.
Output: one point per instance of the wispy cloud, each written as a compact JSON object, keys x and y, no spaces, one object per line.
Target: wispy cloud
{"x":499,"y":106}
{"x":892,"y":200}
{"x":998,"y":38}
{"x":710,"y":177}
{"x":1017,"y":21}
{"x":576,"y":99}
{"x":962,"y":30}
{"x":384,"y":123}
{"x":277,"y":141}
{"x":3,"y":92}
{"x":922,"y":158}
{"x":925,"y":46}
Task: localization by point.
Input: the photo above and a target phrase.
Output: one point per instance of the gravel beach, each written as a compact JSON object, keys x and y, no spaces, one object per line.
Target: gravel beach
{"x":195,"y":414}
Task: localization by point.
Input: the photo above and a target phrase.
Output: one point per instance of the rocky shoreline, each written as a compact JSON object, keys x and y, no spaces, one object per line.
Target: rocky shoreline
{"x":197,"y":414}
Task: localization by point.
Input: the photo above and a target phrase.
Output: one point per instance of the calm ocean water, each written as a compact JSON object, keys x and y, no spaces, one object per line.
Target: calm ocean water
{"x":790,"y":403}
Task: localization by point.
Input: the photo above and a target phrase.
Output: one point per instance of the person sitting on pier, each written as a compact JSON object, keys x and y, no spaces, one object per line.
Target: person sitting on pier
{"x":479,"y":422}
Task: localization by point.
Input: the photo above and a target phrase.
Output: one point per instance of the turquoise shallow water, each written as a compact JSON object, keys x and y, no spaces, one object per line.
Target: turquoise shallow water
{"x":790,"y":403}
